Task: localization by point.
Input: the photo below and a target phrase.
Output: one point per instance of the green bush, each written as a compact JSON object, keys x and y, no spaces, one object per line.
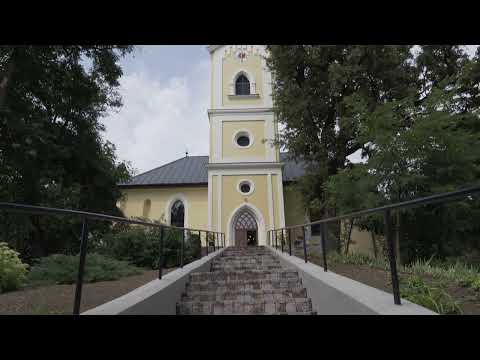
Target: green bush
{"x":416,"y":290}
{"x":12,"y":271}
{"x":137,"y":245}
{"x":63,"y":269}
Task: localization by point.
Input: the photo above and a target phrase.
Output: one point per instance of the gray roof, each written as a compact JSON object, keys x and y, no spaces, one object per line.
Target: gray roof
{"x":192,"y":170}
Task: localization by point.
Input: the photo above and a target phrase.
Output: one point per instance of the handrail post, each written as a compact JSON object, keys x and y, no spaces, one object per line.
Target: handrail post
{"x":283,"y":239}
{"x":81,"y":267}
{"x":304,"y":244}
{"x":200,"y":241}
{"x":392,"y":257}
{"x":182,"y":248}
{"x":290,"y":242}
{"x":324,"y":248}
{"x":207,"y":235}
{"x":160,"y":258}
{"x":223,"y":236}
{"x":276,"y":242}
{"x":215,"y":242}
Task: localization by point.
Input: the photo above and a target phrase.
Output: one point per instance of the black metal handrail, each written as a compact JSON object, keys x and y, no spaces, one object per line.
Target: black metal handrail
{"x":387,"y":209}
{"x":218,"y":237}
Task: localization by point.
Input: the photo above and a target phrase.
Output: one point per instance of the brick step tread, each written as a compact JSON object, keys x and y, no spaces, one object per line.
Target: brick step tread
{"x":265,"y":295}
{"x":243,"y":276}
{"x":232,"y":268}
{"x":251,"y":307}
{"x":236,"y":261}
{"x":236,"y":258}
{"x":243,"y":285}
{"x":210,"y":274}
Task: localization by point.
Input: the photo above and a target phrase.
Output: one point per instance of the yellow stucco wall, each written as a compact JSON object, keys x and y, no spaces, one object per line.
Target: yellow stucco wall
{"x":232,"y":199}
{"x":197,"y":203}
{"x":256,"y":128}
{"x":230,"y":67}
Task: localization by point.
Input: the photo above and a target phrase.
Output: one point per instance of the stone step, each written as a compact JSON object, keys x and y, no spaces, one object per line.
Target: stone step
{"x":258,"y":258}
{"x":246,"y":295}
{"x":295,"y":305}
{"x":231,"y":268}
{"x":243,"y":275}
{"x":243,"y":285}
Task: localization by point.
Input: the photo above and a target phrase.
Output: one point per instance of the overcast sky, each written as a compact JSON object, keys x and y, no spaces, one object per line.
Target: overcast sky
{"x":165,"y":92}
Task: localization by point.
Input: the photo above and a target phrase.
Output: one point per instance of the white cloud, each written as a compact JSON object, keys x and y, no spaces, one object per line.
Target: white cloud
{"x":161,"y":119}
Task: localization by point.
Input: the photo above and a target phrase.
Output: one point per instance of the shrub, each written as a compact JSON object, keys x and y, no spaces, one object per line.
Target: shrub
{"x":12,"y":271}
{"x":136,"y":245}
{"x":63,"y":269}
{"x":416,"y":290}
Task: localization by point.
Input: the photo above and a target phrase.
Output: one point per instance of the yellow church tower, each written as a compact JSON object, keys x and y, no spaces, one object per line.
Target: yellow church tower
{"x":245,"y":189}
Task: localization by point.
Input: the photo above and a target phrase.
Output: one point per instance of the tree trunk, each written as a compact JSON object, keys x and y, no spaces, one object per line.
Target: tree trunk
{"x":374,"y":244}
{"x":349,"y":237}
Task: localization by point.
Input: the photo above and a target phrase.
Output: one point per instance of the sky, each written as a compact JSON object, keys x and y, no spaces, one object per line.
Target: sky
{"x":166,"y":93}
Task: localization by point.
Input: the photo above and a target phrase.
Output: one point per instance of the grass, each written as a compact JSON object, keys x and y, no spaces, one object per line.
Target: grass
{"x":458,"y":273}
{"x":423,"y":282}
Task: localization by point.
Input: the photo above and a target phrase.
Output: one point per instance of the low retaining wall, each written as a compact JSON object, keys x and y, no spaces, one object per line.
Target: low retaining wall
{"x":333,"y":294}
{"x":158,"y":297}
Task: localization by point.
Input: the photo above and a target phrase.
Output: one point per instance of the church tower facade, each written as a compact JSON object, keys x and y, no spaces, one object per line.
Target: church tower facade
{"x":245,"y":188}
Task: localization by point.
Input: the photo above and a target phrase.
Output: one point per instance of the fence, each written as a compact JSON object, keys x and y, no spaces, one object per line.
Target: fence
{"x":277,"y":237}
{"x":215,"y":240}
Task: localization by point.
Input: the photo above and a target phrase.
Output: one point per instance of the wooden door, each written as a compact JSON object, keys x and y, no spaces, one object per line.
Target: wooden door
{"x":241,"y":237}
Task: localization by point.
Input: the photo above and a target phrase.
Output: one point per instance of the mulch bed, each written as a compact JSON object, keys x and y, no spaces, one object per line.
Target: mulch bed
{"x":58,"y":299}
{"x":468,"y":299}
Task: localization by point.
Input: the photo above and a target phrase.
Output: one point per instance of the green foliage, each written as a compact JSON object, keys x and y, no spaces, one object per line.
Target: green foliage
{"x":137,"y":245}
{"x":458,"y":273}
{"x":140,"y":245}
{"x":435,"y":298}
{"x":52,"y":99}
{"x":356,"y":259}
{"x":12,"y":271}
{"x":63,"y":269}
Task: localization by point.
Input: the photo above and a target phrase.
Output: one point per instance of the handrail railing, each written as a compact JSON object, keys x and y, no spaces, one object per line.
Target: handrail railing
{"x":218,"y":237}
{"x":387,"y":209}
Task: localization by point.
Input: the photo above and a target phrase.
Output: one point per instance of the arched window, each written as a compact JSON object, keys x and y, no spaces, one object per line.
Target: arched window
{"x":177,"y":214}
{"x":147,"y":204}
{"x":242,"y":86}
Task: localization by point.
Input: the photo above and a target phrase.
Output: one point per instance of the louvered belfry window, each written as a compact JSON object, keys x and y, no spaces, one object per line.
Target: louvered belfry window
{"x":242,"y":86}
{"x":246,"y":221}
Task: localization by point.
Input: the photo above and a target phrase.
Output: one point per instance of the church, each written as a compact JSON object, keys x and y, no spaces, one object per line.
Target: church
{"x":243,"y":188}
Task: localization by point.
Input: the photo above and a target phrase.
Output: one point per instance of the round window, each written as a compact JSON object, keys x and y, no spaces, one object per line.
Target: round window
{"x":245,"y":187}
{"x":243,"y":140}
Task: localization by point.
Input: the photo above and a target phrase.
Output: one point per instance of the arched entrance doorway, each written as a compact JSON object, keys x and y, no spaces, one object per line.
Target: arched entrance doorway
{"x":245,"y":228}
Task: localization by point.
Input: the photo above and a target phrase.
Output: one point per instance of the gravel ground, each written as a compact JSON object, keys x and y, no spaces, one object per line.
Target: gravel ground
{"x":58,"y":299}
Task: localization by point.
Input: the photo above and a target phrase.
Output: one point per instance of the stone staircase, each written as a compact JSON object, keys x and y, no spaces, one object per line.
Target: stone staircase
{"x":245,"y":281}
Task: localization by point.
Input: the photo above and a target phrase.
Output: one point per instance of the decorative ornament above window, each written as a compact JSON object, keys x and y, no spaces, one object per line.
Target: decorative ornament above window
{"x":241,"y":55}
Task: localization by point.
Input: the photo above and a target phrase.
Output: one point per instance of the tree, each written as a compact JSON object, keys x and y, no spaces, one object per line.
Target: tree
{"x":311,"y":90}
{"x":425,"y":143}
{"x":51,"y":150}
